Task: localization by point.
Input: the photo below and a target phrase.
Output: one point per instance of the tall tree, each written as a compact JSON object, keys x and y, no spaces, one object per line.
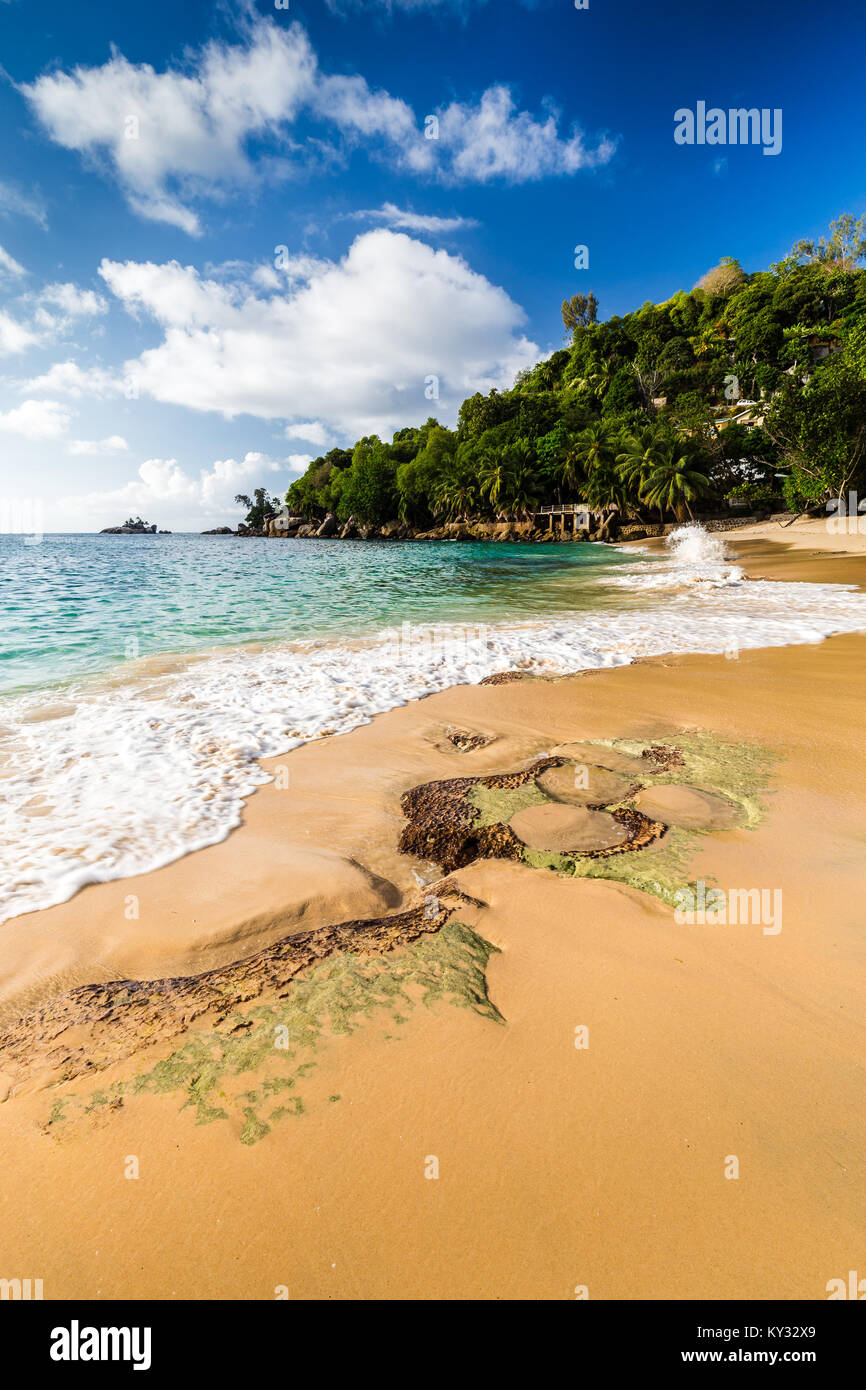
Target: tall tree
{"x":579,"y":311}
{"x":675,"y":483}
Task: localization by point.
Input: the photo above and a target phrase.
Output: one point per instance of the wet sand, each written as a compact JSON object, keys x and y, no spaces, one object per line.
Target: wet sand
{"x":559,"y":1166}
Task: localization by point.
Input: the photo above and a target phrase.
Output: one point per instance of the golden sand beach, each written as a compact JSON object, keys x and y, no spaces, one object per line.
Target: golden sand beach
{"x":527,"y":1083}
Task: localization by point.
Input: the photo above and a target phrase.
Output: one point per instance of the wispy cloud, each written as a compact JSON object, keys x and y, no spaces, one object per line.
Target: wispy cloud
{"x":173,"y":137}
{"x":404,"y":220}
{"x":9,"y":266}
{"x":114,"y":444}
{"x":15,"y":203}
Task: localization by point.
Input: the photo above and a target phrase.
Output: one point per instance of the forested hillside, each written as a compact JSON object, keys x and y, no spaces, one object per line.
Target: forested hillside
{"x":673,"y":409}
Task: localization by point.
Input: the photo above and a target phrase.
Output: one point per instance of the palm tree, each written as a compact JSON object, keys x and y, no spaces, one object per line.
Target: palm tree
{"x":640,"y":455}
{"x":491,"y":478}
{"x":675,"y":481}
{"x":521,"y":484}
{"x":595,"y":446}
{"x":565,"y":472}
{"x":605,"y":487}
{"x":455,"y":496}
{"x":600,"y":378}
{"x":596,"y":449}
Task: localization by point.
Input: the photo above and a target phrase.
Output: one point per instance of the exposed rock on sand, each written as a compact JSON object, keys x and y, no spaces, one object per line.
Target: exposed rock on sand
{"x":567,"y":828}
{"x":95,"y":1026}
{"x":687,"y":807}
{"x":466,"y":742}
{"x":661,"y":758}
{"x":306,"y":887}
{"x":457,"y":821}
{"x":583,"y":784}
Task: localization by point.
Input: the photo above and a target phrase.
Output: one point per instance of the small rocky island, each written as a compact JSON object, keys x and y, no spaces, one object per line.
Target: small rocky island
{"x":133,"y":526}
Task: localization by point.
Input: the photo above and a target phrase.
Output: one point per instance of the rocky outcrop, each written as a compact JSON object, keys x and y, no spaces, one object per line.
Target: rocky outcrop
{"x":604,"y":526}
{"x":82,"y":1032}
{"x":219,"y":531}
{"x":445,"y":825}
{"x":135,"y":529}
{"x":328,"y":526}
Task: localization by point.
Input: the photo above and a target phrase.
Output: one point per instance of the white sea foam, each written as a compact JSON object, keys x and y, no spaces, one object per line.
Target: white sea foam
{"x":696,"y":556}
{"x":129,"y":775}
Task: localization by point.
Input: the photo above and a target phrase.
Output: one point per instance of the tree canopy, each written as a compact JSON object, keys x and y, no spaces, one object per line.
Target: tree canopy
{"x":674,"y":407}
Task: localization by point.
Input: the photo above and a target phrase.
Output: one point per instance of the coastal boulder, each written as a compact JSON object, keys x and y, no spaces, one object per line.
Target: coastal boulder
{"x":328,"y":526}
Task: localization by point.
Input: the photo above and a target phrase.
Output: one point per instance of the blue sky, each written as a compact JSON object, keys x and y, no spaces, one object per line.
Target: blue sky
{"x":227,"y":242}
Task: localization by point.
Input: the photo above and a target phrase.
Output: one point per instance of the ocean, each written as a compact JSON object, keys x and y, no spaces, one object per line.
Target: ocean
{"x":143,"y":677}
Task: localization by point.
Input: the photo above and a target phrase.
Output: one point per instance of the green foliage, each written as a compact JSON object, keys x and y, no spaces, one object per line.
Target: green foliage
{"x":844,"y":248}
{"x":644,"y":396}
{"x":417,"y":479}
{"x":259,"y":507}
{"x":821,"y":431}
{"x":368,"y":488}
{"x":761,"y":496}
{"x":578,"y":311}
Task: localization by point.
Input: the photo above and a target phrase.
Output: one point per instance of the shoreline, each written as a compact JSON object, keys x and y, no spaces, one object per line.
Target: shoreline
{"x":253,"y":912}
{"x":184,"y":695}
{"x":707,"y":1044}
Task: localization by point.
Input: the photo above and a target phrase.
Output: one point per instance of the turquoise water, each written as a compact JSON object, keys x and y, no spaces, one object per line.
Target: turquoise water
{"x":114,"y":761}
{"x":76,"y":605}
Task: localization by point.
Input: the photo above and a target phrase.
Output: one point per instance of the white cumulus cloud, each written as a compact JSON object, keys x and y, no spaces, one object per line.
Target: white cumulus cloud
{"x":177,"y":499}
{"x":36,"y":420}
{"x":14,"y":336}
{"x":354,"y":344}
{"x":68,"y":379}
{"x":72,"y":301}
{"x":494,"y":140}
{"x":183,"y":127}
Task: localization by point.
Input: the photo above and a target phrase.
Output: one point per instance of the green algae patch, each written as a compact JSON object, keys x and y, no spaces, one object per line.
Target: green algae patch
{"x":740,"y":772}
{"x":496,"y":805}
{"x":275,"y":1044}
{"x":661,"y":871}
